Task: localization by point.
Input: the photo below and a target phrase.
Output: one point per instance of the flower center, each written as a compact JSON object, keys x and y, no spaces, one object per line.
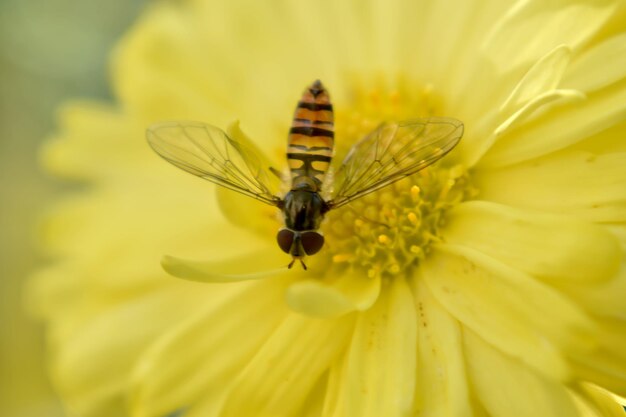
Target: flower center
{"x":390,"y":230}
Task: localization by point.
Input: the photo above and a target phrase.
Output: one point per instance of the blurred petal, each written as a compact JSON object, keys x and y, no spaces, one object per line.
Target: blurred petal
{"x":150,"y":80}
{"x":604,"y":299}
{"x":205,"y":350}
{"x":266,"y":264}
{"x":543,"y":76}
{"x":564,"y":125}
{"x":540,"y":103}
{"x":91,"y":141}
{"x":547,"y":246}
{"x":506,"y":387}
{"x":92,"y":386}
{"x":606,"y":140}
{"x":595,"y":402}
{"x":261,"y":218}
{"x":590,"y":187}
{"x":606,"y":365}
{"x":315,"y":299}
{"x":585,"y":74}
{"x":348,"y":292}
{"x":570,"y":23}
{"x":278,"y":379}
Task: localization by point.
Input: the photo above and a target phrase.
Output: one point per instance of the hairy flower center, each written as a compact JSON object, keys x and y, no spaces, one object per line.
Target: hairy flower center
{"x":390,"y":231}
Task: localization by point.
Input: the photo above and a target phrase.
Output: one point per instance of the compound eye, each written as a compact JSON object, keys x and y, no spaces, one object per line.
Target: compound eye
{"x":312,"y":242}
{"x":285,"y":239}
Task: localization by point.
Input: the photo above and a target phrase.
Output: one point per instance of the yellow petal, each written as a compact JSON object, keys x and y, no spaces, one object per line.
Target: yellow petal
{"x":585,"y":74}
{"x":194,"y":359}
{"x":313,"y":298}
{"x":575,"y":183}
{"x":596,"y":402}
{"x":90,"y":385}
{"x":313,"y":405}
{"x":543,"y":76}
{"x":380,"y":371}
{"x":159,"y":74}
{"x":559,"y":127}
{"x":604,"y":299}
{"x":278,"y":379}
{"x":508,"y":308}
{"x":547,"y":246}
{"x":606,"y":365}
{"x":538,"y":104}
{"x":441,"y":376}
{"x":334,"y":404}
{"x":349,"y":292}
{"x":507,"y":387}
{"x":94,"y":144}
{"x":559,"y":23}
{"x":242,"y":211}
{"x":267,"y":263}
{"x":610,"y":140}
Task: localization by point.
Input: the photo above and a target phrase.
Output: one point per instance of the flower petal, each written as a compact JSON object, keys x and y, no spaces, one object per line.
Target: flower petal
{"x":93,"y":386}
{"x":441,"y":376}
{"x":570,"y":23}
{"x":610,"y":140}
{"x":278,"y":379}
{"x":506,"y":387}
{"x":266,"y":264}
{"x":544,"y":245}
{"x":543,"y":76}
{"x":570,"y":182}
{"x":93,"y":144}
{"x":379,"y":377}
{"x":585,"y":74}
{"x":194,"y":359}
{"x":596,"y":402}
{"x":159,"y":73}
{"x":605,"y":299}
{"x":240,"y":210}
{"x":507,"y":308}
{"x":564,"y":125}
{"x":313,"y":298}
{"x":349,"y":292}
{"x":538,"y":104}
{"x":606,"y":365}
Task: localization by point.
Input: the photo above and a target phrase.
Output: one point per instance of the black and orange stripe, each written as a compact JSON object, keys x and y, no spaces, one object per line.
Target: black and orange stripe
{"x":311,"y":137}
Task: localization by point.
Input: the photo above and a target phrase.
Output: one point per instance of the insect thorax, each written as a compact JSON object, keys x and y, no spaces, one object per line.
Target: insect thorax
{"x":303,"y":210}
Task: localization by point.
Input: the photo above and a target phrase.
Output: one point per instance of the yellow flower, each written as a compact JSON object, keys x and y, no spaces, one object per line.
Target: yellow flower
{"x":490,"y":284}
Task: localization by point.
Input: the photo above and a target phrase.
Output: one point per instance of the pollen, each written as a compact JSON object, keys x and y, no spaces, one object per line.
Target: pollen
{"x":390,"y":231}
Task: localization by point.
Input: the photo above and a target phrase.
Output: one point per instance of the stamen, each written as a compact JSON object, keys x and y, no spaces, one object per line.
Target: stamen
{"x":390,"y":231}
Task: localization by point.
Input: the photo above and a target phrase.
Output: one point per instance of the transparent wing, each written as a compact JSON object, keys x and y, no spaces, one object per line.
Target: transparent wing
{"x":392,"y":152}
{"x":208,"y":152}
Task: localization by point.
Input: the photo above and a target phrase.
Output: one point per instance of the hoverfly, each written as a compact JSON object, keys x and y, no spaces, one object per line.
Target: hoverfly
{"x":388,"y":154}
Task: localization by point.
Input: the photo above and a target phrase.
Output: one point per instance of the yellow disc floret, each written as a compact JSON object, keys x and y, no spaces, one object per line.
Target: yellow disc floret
{"x":390,"y":230}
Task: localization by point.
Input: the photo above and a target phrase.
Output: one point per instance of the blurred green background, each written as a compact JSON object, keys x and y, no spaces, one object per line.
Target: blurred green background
{"x":50,"y":51}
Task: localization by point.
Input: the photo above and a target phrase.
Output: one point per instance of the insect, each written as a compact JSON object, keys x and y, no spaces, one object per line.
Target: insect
{"x":389,"y":153}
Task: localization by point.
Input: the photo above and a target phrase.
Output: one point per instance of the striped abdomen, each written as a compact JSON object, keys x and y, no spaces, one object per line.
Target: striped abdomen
{"x":311,"y":138}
